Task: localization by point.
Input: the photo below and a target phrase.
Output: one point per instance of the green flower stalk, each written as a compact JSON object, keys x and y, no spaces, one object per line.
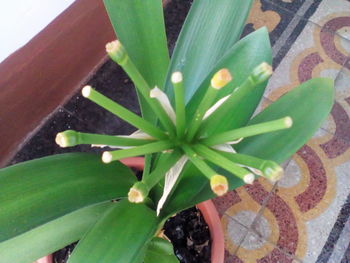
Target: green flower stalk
{"x":72,"y":138}
{"x":121,"y":112}
{"x":159,"y":146}
{"x":218,"y":183}
{"x":177,"y":81}
{"x":219,"y":80}
{"x":224,"y":163}
{"x":248,"y":131}
{"x":118,"y":54}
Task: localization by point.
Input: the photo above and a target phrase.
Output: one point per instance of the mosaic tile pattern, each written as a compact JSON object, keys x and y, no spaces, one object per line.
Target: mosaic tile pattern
{"x":306,"y":216}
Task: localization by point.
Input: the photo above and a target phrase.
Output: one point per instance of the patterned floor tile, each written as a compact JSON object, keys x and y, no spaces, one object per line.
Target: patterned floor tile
{"x":334,"y":15}
{"x":314,"y":54}
{"x":256,"y":249}
{"x":303,"y":216}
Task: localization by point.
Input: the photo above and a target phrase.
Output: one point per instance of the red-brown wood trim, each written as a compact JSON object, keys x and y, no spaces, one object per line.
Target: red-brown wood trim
{"x":40,"y":76}
{"x":43,"y":74}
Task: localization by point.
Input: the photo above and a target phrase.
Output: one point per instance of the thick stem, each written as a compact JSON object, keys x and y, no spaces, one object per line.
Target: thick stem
{"x":153,"y":147}
{"x":179,"y":91}
{"x":71,"y":138}
{"x":221,"y":161}
{"x":166,"y":161}
{"x":248,"y":131}
{"x":119,"y":55}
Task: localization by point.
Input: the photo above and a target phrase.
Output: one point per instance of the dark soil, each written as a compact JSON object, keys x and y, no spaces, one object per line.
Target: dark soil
{"x":190,"y":236}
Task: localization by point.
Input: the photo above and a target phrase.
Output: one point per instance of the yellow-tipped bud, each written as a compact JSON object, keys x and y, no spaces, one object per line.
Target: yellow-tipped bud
{"x":138,"y":192}
{"x":249,"y":178}
{"x":272,"y":171}
{"x":221,"y":79}
{"x":67,"y":138}
{"x":116,"y":51}
{"x":219,"y":184}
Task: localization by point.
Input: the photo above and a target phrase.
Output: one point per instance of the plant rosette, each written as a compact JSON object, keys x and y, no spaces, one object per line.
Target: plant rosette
{"x":197,"y":133}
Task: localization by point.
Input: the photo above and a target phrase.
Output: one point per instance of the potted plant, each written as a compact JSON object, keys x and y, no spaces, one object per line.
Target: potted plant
{"x":196,"y":132}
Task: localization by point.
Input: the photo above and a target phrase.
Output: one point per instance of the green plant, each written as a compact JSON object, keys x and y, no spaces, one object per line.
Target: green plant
{"x":215,"y":81}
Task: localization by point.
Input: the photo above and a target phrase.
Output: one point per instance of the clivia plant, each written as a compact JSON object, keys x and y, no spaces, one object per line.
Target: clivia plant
{"x":196,"y":132}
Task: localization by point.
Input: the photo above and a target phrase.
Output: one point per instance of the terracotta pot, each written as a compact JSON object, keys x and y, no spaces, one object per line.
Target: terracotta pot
{"x":207,"y":209}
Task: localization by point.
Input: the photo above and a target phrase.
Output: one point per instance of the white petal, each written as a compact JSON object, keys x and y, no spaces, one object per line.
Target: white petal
{"x":164,"y":101}
{"x":215,"y":107}
{"x":170,"y":179}
{"x":236,"y":141}
{"x":224,"y":148}
{"x":138,"y":135}
{"x":135,"y":135}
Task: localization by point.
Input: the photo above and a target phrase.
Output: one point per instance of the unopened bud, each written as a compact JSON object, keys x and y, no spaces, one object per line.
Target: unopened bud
{"x":176,"y":77}
{"x":272,"y":171}
{"x":67,"y":138}
{"x":138,"y":192}
{"x":116,"y":51}
{"x":249,"y":178}
{"x":219,"y":184}
{"x":221,"y":79}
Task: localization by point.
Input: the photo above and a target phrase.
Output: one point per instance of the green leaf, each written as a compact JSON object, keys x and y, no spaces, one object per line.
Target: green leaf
{"x":139,"y":25}
{"x":39,"y":191}
{"x":240,"y":60}
{"x":119,"y":236}
{"x":308,"y":105}
{"x":210,"y":29}
{"x":52,"y":236}
{"x":160,"y":251}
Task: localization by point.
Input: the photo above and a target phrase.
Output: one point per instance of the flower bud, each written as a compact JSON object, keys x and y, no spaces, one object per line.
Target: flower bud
{"x":219,"y":184}
{"x":262,"y":72}
{"x":221,"y":79}
{"x":67,"y":138}
{"x":249,"y":178}
{"x":116,"y":51}
{"x":272,"y":171}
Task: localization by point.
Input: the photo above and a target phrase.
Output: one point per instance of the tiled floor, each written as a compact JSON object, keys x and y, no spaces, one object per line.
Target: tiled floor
{"x":306,"y":216}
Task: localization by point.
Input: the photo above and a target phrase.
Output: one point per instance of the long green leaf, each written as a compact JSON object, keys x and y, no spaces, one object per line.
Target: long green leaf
{"x":36,"y":192}
{"x":210,"y":29}
{"x":160,"y":251}
{"x":51,"y":236}
{"x":119,"y":236}
{"x":240,"y":60}
{"x":308,"y":105}
{"x":139,"y":25}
